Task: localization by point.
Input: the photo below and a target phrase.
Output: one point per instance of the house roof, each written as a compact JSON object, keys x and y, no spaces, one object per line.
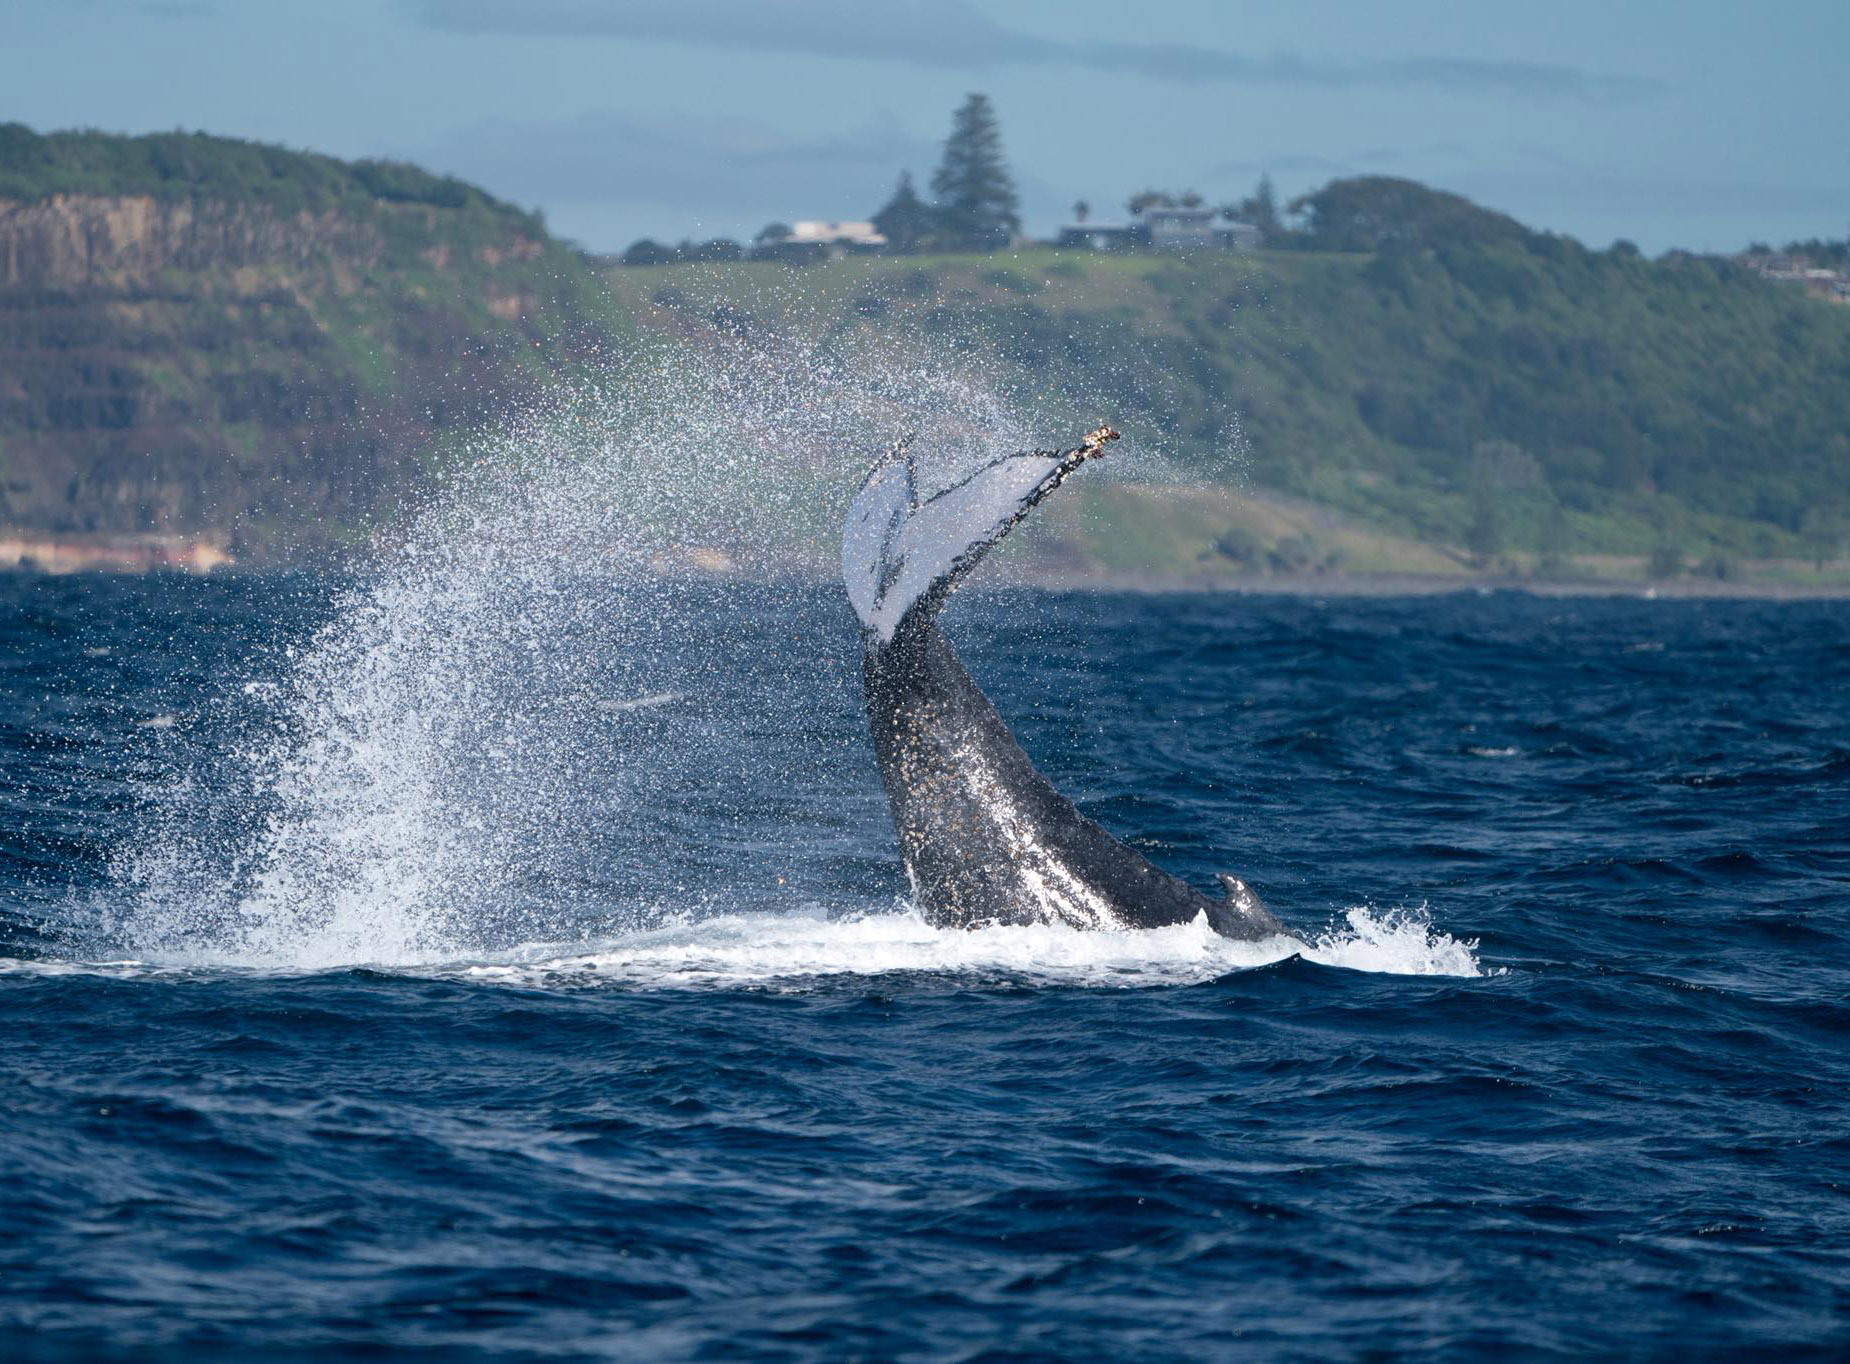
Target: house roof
{"x":828,"y":230}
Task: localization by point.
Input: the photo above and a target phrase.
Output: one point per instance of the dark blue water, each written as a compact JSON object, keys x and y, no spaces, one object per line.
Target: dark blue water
{"x":604,"y":1032}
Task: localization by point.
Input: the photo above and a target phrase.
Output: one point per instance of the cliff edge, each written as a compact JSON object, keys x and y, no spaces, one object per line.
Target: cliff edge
{"x":216,"y":342}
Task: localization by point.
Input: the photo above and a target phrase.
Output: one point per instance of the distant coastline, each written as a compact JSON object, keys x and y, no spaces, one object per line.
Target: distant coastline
{"x":217,"y":349}
{"x":1054,"y":569}
{"x":57,"y":555}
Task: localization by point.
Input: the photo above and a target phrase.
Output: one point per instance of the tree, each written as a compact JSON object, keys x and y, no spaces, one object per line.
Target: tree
{"x":648,"y":252}
{"x":1265,"y":206}
{"x":1378,"y":213}
{"x":1260,"y":208}
{"x":773,"y":232}
{"x":1823,"y":532}
{"x":1081,"y":211}
{"x":1149,"y":198}
{"x":907,"y":219}
{"x":1484,"y":535}
{"x":977,"y":204}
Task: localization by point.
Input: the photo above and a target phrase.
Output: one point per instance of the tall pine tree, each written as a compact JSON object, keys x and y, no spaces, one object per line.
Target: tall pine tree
{"x":907,"y":220}
{"x":976,"y":197}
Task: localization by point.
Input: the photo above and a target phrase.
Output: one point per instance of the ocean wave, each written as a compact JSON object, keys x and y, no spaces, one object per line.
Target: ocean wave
{"x":760,"y":950}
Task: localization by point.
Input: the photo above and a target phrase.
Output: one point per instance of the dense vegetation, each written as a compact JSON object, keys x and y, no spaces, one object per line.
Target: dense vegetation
{"x":1382,"y":213}
{"x":1509,"y":395}
{"x":277,"y":350}
{"x":199,"y":166}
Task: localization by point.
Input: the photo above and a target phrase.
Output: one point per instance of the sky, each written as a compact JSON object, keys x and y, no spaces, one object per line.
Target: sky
{"x":1704,"y":124}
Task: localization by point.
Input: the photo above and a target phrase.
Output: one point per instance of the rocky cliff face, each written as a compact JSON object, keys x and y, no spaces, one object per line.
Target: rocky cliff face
{"x":185,"y":366}
{"x":74,"y":241}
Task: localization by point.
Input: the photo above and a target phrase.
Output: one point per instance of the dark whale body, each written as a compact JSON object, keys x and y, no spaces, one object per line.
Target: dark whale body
{"x":984,"y":836}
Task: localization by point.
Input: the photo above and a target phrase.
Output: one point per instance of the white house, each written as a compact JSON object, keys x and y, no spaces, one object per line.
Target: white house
{"x":1164,"y":229}
{"x":1238,"y":236}
{"x":827,"y":233}
{"x":1179,"y":229}
{"x":1097,"y":236}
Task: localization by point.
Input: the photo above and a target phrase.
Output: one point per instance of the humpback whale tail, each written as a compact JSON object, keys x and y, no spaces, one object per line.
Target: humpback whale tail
{"x":984,"y":836}
{"x":904,"y":552}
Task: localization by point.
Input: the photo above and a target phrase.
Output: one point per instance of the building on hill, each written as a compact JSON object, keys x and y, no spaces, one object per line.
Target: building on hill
{"x":1833,"y":286}
{"x":847,"y":235}
{"x":1238,"y":237}
{"x":1162,"y":229}
{"x":1097,"y":236}
{"x":1179,"y":229}
{"x":815,"y":239}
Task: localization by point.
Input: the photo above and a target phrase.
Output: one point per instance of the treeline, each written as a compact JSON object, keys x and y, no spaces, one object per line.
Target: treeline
{"x":1403,"y":354}
{"x":975,"y":207}
{"x":178,"y":165}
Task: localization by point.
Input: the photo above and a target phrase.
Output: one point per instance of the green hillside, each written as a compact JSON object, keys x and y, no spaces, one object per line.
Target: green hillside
{"x":200,"y":335}
{"x":1515,"y":405}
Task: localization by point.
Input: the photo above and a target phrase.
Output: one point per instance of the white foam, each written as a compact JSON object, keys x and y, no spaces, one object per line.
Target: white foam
{"x":648,"y":702}
{"x":756,"y":950}
{"x":795,"y":950}
{"x":1398,"y":942}
{"x":760,"y":950}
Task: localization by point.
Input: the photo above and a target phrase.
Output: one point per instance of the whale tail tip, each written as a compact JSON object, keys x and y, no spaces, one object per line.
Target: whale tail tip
{"x":904,"y":548}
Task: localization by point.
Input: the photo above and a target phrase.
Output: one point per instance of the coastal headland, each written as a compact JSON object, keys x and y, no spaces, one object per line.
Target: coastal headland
{"x":215,"y":353}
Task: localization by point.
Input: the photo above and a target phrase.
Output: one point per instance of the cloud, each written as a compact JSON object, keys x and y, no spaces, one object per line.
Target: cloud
{"x":728,"y":169}
{"x":955,"y":34}
{"x":1297,"y":164}
{"x":1370,"y":161}
{"x":152,"y":9}
{"x":944,"y":34}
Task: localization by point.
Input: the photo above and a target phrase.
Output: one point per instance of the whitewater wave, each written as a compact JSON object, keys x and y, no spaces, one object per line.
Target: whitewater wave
{"x":791,"y":950}
{"x":768,"y":950}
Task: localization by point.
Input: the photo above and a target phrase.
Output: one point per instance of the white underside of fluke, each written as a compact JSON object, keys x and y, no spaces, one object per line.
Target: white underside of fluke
{"x":897,"y":544}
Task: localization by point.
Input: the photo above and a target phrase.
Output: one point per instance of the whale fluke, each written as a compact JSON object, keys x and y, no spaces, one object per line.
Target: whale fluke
{"x":903,"y":553}
{"x":984,"y":836}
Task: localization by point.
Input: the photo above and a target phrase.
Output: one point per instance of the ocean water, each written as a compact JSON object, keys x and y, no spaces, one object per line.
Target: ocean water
{"x":527,"y":973}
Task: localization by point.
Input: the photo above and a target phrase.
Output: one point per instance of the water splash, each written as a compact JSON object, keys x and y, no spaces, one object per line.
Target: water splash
{"x":535,"y":716}
{"x":1398,"y":942}
{"x":514,"y":724}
